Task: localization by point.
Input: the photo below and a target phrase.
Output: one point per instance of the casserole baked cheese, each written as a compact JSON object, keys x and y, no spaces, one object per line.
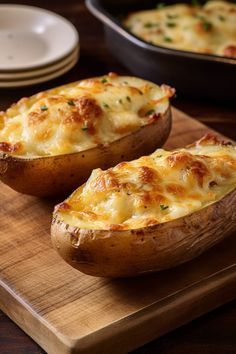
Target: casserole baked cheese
{"x":209,"y":29}
{"x":154,"y":189}
{"x":81,"y":115}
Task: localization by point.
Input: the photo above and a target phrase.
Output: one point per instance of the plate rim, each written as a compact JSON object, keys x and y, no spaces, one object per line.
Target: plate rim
{"x":38,"y":80}
{"x":22,"y":75}
{"x":56,"y":16}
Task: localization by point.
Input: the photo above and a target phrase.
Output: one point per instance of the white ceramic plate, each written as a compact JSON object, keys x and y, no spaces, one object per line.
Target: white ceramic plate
{"x":32,"y":37}
{"x":39,"y":79}
{"x":31,"y":74}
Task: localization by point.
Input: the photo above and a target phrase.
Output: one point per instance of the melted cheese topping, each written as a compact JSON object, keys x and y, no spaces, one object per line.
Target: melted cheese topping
{"x":81,"y":115}
{"x":209,"y":29}
{"x":153,"y":189}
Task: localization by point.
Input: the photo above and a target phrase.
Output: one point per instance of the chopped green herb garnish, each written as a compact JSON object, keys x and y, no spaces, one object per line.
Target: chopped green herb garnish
{"x":128,"y":98}
{"x":167,"y":39}
{"x":84,"y":128}
{"x":104,"y":80}
{"x":164,"y":207}
{"x":120,"y":101}
{"x":170,"y":24}
{"x":44,"y":108}
{"x":150,"y":24}
{"x":147,"y":24}
{"x":71,"y":103}
{"x":148,"y":113}
{"x":160,"y":5}
{"x":221,"y":18}
{"x":195,"y":3}
{"x":159,"y":155}
{"x":207,"y":25}
{"x":106,"y":105}
{"x":125,"y":82}
{"x":171,"y":16}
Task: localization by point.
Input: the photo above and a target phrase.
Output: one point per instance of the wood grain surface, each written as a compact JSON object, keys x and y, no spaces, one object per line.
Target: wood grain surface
{"x":210,"y":334}
{"x":66,"y":311}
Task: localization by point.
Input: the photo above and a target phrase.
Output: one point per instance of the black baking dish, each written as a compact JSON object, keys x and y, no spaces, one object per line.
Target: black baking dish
{"x":192,"y":74}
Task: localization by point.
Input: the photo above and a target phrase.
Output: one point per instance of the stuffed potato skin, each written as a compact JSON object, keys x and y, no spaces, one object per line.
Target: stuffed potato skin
{"x":152,"y":213}
{"x":50,"y":142}
{"x":124,"y":253}
{"x":53,"y":175}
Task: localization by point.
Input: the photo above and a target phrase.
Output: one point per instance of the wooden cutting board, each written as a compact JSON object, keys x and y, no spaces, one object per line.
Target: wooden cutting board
{"x":66,"y":311}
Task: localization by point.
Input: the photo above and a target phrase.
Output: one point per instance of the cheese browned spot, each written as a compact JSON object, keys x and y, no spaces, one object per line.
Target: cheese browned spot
{"x":230,"y":51}
{"x":63,"y":206}
{"x":9,"y":148}
{"x":147,"y":174}
{"x":35,"y":118}
{"x":191,"y":165}
{"x":176,"y":189}
{"x":85,"y":111}
{"x":208,"y":29}
{"x":154,"y":189}
{"x":106,"y":182}
{"x":81,"y":115}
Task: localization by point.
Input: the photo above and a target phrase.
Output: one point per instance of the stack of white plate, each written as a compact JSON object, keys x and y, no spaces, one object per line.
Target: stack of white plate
{"x":36,"y":45}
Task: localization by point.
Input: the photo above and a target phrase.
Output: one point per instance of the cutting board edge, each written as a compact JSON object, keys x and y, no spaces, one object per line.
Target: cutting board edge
{"x":221,"y":283}
{"x":31,"y":321}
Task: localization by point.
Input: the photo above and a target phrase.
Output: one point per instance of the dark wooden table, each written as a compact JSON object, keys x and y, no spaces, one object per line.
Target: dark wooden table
{"x":211,"y":334}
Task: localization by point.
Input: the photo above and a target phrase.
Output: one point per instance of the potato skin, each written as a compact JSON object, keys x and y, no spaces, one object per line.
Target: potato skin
{"x":114,"y":253}
{"x":53,"y":175}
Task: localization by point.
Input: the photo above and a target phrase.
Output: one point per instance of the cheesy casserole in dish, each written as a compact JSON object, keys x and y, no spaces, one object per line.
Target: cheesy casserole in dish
{"x":208,"y":29}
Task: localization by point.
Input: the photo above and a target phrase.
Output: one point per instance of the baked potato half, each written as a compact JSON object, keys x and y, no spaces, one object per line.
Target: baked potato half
{"x":50,"y":142}
{"x":149,"y":214}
